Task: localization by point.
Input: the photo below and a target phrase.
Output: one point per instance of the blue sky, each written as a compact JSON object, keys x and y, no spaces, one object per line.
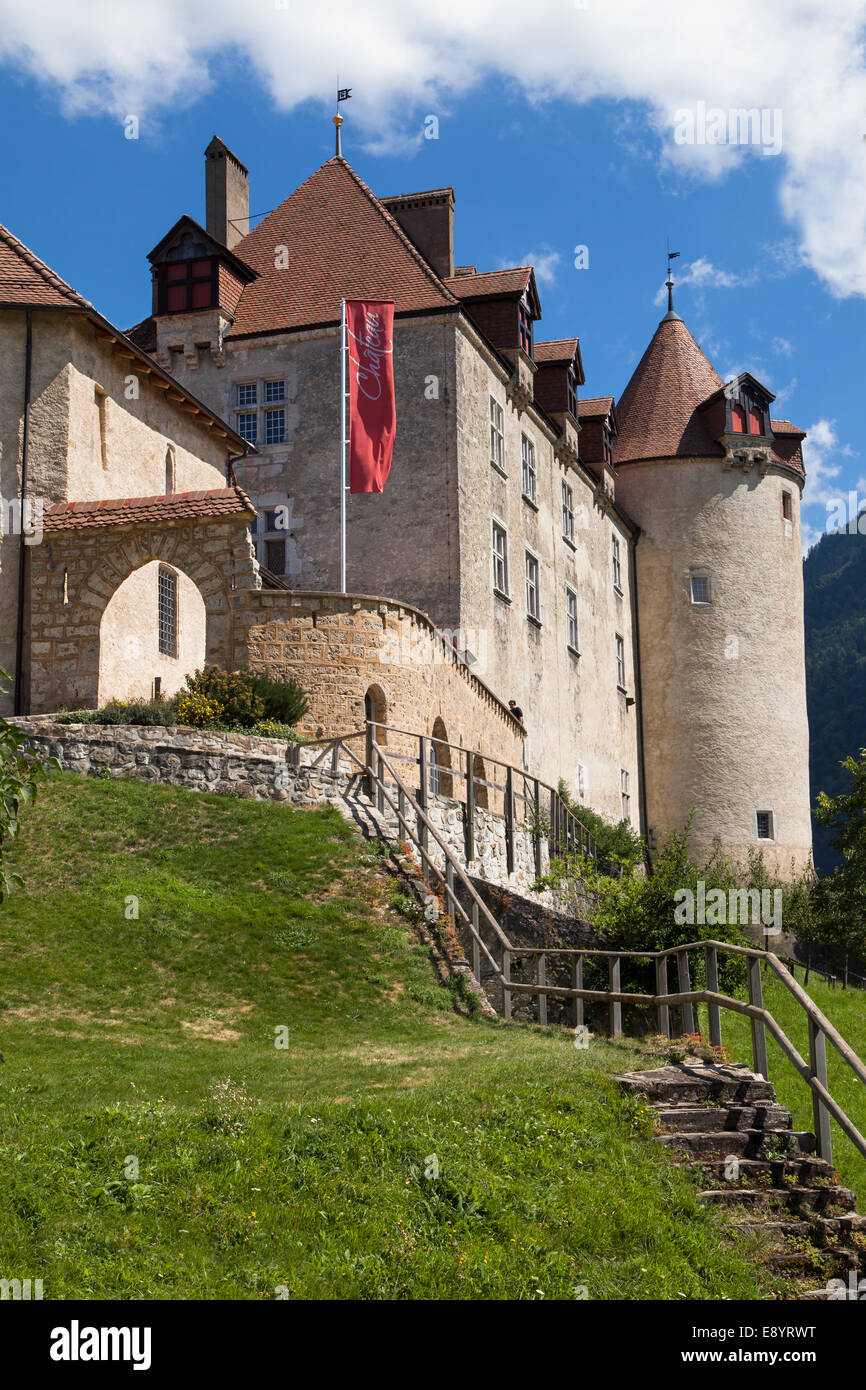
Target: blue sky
{"x":536,"y":174}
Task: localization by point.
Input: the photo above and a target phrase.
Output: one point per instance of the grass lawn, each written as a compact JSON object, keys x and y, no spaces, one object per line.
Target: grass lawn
{"x":846,"y":1010}
{"x":156,"y":1142}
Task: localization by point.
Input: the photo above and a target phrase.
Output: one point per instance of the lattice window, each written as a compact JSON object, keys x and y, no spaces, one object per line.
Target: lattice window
{"x":167,"y":612}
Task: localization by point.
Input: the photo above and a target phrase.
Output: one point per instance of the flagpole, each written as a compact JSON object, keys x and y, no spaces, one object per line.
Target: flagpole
{"x":343,"y":442}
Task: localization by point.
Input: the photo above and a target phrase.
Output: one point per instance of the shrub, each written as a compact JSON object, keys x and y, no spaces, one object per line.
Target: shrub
{"x":284,"y":700}
{"x":232,"y":692}
{"x":197,"y":710}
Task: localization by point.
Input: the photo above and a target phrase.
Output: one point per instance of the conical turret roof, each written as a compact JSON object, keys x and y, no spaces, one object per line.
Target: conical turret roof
{"x":658,"y":416}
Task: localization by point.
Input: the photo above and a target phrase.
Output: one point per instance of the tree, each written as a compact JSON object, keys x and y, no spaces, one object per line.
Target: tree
{"x":840,"y":898}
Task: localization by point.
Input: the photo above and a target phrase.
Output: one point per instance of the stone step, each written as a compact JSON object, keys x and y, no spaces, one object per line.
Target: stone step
{"x":785,"y":1198}
{"x":745,"y":1143}
{"x":818,"y":1227}
{"x":777,"y":1169}
{"x":702,"y":1081}
{"x":766,"y":1115}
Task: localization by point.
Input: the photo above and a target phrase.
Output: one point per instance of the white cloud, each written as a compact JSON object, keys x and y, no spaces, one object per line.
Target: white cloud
{"x":783,"y":347}
{"x":703,"y":275}
{"x":407,"y":58}
{"x":821,"y":451}
{"x":544,"y":263}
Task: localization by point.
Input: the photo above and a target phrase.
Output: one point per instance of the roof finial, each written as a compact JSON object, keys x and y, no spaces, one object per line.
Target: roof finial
{"x":343,"y":94}
{"x":669,"y":282}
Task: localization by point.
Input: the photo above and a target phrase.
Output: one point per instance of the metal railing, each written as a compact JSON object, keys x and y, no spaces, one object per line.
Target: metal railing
{"x":493,"y":949}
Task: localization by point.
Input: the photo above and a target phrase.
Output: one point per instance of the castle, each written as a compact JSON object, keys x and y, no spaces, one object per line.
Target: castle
{"x":629,"y":571}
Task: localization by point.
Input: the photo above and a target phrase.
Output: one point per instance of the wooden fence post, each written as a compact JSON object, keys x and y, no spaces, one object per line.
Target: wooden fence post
{"x":577,"y":983}
{"x":615,"y":1006}
{"x":380,"y":789}
{"x":423,"y":837}
{"x":713,"y":1011}
{"x":663,"y":1011}
{"x":449,"y":890}
{"x":509,"y":819}
{"x":820,"y":1114}
{"x":685,"y":985}
{"x":368,"y":757}
{"x":541,"y":979}
{"x":506,"y":992}
{"x":470,"y":806}
{"x":476,"y":949}
{"x":536,"y":801}
{"x":759,"y":1033}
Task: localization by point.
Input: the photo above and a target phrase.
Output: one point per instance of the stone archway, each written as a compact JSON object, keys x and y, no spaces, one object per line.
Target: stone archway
{"x":86,"y":556}
{"x":152,"y":634}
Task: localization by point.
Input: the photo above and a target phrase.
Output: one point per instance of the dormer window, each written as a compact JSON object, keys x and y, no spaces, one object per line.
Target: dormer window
{"x":748,"y":410}
{"x":756,"y":420}
{"x":572,"y":392}
{"x":525,"y":328}
{"x":185,"y":286}
{"x":738,"y":420}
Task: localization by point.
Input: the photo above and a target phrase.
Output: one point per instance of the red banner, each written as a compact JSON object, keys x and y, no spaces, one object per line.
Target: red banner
{"x":372,"y":408}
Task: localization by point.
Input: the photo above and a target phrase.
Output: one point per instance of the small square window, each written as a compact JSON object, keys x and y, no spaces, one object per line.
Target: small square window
{"x":567,"y":512}
{"x":700,"y":588}
{"x":275,"y":426}
{"x":247,"y":424}
{"x":275,"y":556}
{"x":274,"y":391}
{"x":571,"y":636}
{"x":533,"y":594}
{"x":765,"y":825}
{"x":500,"y":559}
{"x":617,"y":565}
{"x":497,"y":435}
{"x":247,"y":394}
{"x":530,"y":477}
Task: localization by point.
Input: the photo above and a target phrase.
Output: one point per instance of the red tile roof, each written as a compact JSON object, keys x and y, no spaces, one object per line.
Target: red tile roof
{"x":342,"y":243}
{"x":594,"y":407}
{"x":658,"y":414}
{"x":785,"y":427}
{"x":490,"y":283}
{"x":24,"y":279}
{"x":557,"y":350}
{"x":126,"y":511}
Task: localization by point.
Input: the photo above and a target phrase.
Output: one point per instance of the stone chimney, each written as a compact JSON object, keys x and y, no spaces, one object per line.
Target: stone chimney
{"x":428,"y":221}
{"x":227,"y":194}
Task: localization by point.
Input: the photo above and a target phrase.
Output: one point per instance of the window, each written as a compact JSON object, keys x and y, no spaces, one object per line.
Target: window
{"x":247,"y":394}
{"x":571,"y":620}
{"x":500,"y":559}
{"x":756,"y":420}
{"x":497,"y":435}
{"x":530,"y":477}
{"x":247,"y":426}
{"x":765,"y":825}
{"x":572,"y":392}
{"x":738,"y":419}
{"x":700,"y":588}
{"x":533,"y":595}
{"x":187,"y":285}
{"x":620,"y":662}
{"x":275,"y":556}
{"x":274,"y":391}
{"x":617,"y":566}
{"x":169,"y":471}
{"x":567,"y":513}
{"x":608,"y":446}
{"x":167,"y":612}
{"x":275,"y":426}
{"x":581,"y":781}
{"x":625,"y":794}
{"x":787,"y":506}
{"x":524,"y":328}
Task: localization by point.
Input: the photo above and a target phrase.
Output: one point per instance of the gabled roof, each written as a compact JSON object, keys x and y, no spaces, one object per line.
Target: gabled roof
{"x":245,"y":272}
{"x":785,"y":427}
{"x":25,"y":280}
{"x":557,"y":350}
{"x":744,"y":377}
{"x":497,"y":284}
{"x":595,"y":407}
{"x":658,"y":411}
{"x":342,"y":243}
{"x":126,"y":511}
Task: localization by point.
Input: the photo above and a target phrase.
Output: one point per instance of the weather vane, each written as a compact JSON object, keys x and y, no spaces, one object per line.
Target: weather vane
{"x":669,"y":282}
{"x":343,"y":94}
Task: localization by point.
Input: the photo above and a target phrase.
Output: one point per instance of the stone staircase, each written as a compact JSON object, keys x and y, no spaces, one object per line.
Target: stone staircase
{"x":723,"y":1122}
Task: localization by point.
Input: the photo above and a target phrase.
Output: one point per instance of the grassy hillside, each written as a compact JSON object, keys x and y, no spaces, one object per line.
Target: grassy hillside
{"x":151,"y":1041}
{"x":835,"y":613}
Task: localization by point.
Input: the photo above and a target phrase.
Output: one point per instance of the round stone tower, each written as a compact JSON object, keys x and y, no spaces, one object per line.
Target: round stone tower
{"x":715,"y":485}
